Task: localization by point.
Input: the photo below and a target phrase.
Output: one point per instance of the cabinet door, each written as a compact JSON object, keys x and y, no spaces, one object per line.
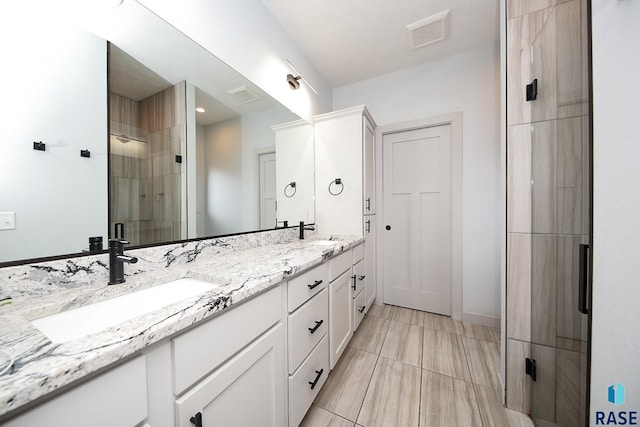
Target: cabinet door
{"x":248,"y":390}
{"x":370,"y":260}
{"x":359,"y":307}
{"x":339,"y":316}
{"x":369,"y":168}
{"x":116,"y":398}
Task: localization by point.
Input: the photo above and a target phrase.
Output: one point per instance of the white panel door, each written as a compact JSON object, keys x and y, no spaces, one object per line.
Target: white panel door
{"x":417,"y":219}
{"x":267,"y":190}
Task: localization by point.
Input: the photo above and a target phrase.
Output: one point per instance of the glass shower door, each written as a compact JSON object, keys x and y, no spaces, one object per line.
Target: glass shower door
{"x":561,"y":220}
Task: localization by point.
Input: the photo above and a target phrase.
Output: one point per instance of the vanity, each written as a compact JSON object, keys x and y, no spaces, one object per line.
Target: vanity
{"x":242,"y":329}
{"x":255,"y":349}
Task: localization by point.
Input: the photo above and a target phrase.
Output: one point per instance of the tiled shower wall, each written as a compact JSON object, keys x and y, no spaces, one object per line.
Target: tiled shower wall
{"x":547,"y":206}
{"x":146,"y":180}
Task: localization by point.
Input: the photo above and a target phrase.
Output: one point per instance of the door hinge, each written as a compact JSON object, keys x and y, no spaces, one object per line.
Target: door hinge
{"x":530,"y":368}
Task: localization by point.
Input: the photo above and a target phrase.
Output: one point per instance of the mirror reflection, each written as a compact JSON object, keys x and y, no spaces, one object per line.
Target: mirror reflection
{"x":157,"y":165}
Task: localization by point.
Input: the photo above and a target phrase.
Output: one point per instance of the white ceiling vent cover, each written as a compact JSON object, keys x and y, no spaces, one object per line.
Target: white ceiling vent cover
{"x":429,"y":30}
{"x":244,"y":94}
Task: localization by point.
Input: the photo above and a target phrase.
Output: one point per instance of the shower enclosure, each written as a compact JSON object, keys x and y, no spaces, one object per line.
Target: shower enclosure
{"x":146,"y":172}
{"x":549,"y":210}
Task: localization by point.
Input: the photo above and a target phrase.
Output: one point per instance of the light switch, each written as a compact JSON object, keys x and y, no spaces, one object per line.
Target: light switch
{"x":7,"y":220}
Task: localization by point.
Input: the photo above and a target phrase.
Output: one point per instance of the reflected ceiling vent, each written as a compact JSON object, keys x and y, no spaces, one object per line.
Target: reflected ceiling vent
{"x":429,"y":30}
{"x":244,"y":94}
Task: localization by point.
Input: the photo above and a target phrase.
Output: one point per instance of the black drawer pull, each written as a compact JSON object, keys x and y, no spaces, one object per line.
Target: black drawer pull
{"x":361,"y":277}
{"x":354,"y":277}
{"x":362,"y":309}
{"x":315,"y":284}
{"x":313,"y":384}
{"x":315,"y":328}
{"x":197,"y":420}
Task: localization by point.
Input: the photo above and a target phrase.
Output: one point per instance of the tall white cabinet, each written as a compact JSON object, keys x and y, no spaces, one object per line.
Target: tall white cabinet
{"x":345,"y":188}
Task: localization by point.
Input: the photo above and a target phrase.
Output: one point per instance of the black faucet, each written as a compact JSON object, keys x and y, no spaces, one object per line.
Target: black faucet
{"x":117,"y":258}
{"x":304,"y":227}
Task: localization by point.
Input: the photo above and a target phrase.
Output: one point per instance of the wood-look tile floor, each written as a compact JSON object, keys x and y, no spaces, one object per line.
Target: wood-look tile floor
{"x":407,"y":368}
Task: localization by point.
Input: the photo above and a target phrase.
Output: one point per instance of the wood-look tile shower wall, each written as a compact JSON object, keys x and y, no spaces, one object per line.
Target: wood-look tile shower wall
{"x":146,"y":181}
{"x":547,"y":203}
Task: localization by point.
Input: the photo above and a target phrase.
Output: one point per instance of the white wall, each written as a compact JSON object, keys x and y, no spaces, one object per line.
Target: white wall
{"x":49,"y":69}
{"x":616,"y":203}
{"x":231,"y":170}
{"x":467,"y":82}
{"x":244,"y":35}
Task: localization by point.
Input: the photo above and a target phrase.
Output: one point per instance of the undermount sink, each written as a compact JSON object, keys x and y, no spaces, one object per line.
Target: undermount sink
{"x":323,"y":242}
{"x":82,"y":321}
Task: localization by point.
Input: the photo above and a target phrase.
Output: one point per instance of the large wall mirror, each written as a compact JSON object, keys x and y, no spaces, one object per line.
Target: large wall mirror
{"x":111,"y":115}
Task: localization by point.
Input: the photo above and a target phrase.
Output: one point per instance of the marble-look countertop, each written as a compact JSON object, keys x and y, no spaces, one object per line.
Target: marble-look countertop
{"x":241,"y":270}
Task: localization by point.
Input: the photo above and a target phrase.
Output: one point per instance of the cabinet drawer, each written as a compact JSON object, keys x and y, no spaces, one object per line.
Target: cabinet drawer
{"x":357,"y":283}
{"x":359,"y":308}
{"x":116,"y":398}
{"x":358,"y":253}
{"x":339,"y":264}
{"x":306,"y":285}
{"x":201,"y":350}
{"x":301,"y":395}
{"x":307,"y":326}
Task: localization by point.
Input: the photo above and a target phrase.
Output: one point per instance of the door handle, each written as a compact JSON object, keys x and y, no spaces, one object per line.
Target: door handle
{"x":315,"y":328}
{"x":583,"y":279}
{"x":197,"y":419}
{"x":315,"y":284}
{"x":319,"y":374}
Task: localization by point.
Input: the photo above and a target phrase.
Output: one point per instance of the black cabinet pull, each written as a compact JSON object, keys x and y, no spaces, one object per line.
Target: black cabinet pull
{"x":354,"y":282}
{"x":361,"y":277}
{"x":315,"y":328}
{"x":388,"y":227}
{"x":368,"y":203}
{"x":315,"y":284}
{"x":532,"y":90}
{"x":368,"y":222}
{"x":583,"y":279}
{"x":313,"y":384}
{"x":362,"y":309}
{"x":197,"y":419}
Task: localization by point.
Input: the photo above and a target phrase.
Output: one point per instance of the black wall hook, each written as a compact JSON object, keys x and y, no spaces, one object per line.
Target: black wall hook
{"x":39,"y":145}
{"x":85,"y":153}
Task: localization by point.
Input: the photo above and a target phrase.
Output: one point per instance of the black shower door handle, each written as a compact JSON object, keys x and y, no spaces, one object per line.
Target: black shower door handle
{"x":583,"y":279}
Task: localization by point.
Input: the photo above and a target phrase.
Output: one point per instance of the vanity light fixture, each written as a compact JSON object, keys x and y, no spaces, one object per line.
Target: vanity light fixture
{"x":294,"y":81}
{"x":200,"y":110}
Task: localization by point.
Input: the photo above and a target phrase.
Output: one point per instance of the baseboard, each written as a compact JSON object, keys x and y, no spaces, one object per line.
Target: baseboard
{"x":493,"y":322}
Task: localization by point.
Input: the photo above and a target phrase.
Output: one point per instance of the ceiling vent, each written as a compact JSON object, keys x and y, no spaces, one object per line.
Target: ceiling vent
{"x":244,"y":94}
{"x":429,"y":30}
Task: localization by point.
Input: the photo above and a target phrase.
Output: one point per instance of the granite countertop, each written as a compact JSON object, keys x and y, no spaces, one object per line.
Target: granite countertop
{"x":41,"y":366}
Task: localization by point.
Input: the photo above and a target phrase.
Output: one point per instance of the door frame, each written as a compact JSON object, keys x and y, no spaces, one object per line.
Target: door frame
{"x":257,"y":152}
{"x":455,"y":121}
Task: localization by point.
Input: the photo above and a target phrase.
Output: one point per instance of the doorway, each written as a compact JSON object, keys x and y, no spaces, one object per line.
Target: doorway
{"x":421,"y":231}
{"x":267,"y":189}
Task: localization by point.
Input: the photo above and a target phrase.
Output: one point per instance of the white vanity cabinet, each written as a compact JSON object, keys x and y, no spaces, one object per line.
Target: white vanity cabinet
{"x":345,"y":150}
{"x":340,"y":305}
{"x":115,"y":398}
{"x":358,"y":281}
{"x":233,"y":362}
{"x":308,"y":343}
{"x":369,"y":260}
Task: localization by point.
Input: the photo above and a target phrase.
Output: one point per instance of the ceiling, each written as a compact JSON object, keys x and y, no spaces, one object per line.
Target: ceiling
{"x":354,"y":40}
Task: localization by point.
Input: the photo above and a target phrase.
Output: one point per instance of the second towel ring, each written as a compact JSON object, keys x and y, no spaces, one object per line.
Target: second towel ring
{"x":336,"y":181}
{"x":292,"y":185}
